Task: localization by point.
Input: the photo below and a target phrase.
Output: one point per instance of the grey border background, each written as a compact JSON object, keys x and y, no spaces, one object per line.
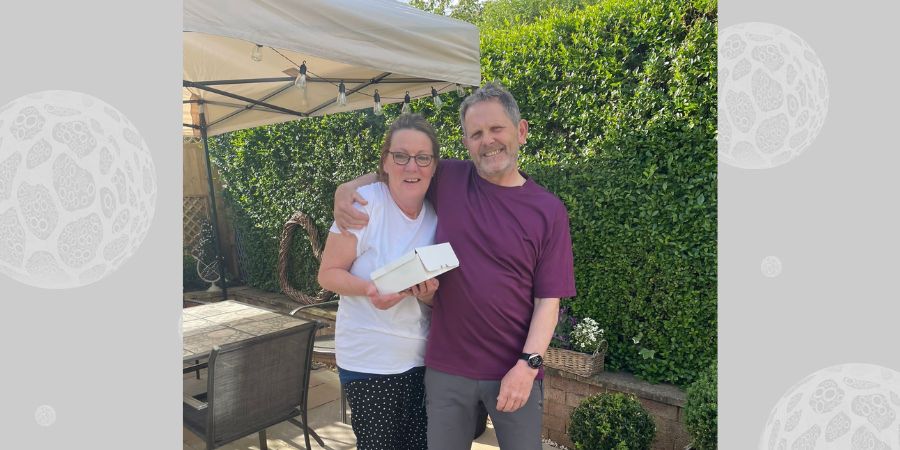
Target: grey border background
{"x":105,"y":356}
{"x":830,"y":216}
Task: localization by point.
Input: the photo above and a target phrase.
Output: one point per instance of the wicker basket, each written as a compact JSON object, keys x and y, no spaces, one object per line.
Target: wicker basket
{"x":582,"y":364}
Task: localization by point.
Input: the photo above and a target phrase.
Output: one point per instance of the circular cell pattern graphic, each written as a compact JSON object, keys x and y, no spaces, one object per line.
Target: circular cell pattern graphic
{"x":45,"y":415}
{"x":773,"y":95}
{"x":771,"y":266}
{"x":77,"y":189}
{"x":850,"y":406}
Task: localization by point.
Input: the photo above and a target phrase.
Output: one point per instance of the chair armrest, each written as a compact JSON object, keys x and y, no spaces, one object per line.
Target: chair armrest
{"x":195,"y":367}
{"x":313,"y":305}
{"x":193,"y":402}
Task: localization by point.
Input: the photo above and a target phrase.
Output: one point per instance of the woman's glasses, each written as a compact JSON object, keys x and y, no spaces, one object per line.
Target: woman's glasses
{"x":422,"y":160}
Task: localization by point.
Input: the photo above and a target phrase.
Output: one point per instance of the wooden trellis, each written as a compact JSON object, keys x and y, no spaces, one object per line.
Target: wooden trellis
{"x":196,"y":211}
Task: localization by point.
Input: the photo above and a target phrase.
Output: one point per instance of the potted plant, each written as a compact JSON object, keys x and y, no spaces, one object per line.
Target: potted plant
{"x":611,"y":421}
{"x":578,"y":347}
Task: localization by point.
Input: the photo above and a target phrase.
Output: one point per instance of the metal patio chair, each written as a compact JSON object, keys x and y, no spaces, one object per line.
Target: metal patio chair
{"x":252,"y":385}
{"x":325,"y":346}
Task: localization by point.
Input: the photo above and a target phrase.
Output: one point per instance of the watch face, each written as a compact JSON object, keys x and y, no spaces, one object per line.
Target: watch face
{"x":535,"y":361}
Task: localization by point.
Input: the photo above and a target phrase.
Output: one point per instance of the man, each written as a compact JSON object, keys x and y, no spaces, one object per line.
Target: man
{"x":493,"y":316}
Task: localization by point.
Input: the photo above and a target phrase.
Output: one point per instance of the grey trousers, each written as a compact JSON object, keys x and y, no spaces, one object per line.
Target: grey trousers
{"x":452,"y":405}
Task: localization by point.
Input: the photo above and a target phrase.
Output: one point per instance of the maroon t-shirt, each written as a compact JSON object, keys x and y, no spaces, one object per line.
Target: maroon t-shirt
{"x":513,"y":245}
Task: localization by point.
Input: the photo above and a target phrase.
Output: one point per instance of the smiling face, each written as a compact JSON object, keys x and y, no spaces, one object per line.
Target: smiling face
{"x":493,"y":141}
{"x":408,"y":183}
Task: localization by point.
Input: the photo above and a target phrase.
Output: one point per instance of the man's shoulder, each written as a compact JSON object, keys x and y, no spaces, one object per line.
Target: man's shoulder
{"x":545,"y":198}
{"x":454,"y":169}
{"x":455,"y":164}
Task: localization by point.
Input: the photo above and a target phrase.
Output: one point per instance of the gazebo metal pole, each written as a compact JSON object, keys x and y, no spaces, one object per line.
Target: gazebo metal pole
{"x":220,"y":260}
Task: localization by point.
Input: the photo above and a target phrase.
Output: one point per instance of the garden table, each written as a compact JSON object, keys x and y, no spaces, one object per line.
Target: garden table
{"x":206,"y":326}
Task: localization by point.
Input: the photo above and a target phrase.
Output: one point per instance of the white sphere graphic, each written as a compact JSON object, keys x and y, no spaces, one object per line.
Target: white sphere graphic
{"x":45,"y":415}
{"x":850,"y":406}
{"x":773,"y":95}
{"x":77,"y":189}
{"x":771,"y":266}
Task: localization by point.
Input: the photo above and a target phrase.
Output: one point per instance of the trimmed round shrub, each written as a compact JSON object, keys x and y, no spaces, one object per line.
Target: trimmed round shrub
{"x":701,"y":410}
{"x":611,"y":421}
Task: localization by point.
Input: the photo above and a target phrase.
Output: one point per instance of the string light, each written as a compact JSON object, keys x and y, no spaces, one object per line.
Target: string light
{"x":257,"y":53}
{"x":437,"y":99}
{"x":405,"y":109}
{"x":300,"y":81}
{"x":342,"y":95}
{"x":377,"y":108}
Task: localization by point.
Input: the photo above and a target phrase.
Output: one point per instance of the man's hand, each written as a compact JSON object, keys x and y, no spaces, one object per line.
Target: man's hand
{"x":386,"y":301}
{"x":515,"y":387}
{"x":425,"y":290}
{"x":345,"y":214}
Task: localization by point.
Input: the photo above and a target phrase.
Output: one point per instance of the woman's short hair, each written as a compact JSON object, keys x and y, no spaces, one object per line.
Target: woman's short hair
{"x":407,"y":122}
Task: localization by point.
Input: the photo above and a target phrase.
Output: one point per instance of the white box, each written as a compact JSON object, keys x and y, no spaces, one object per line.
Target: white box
{"x":415,"y":267}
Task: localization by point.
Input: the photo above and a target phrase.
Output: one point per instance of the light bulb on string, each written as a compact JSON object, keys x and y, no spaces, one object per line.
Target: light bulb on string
{"x":377,"y":108}
{"x":405,"y":109}
{"x":300,"y":81}
{"x":257,"y":53}
{"x":437,"y":99}
{"x":342,"y":95}
{"x":460,"y":91}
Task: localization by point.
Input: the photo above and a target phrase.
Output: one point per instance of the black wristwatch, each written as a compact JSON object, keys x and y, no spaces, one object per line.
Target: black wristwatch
{"x":534,"y":359}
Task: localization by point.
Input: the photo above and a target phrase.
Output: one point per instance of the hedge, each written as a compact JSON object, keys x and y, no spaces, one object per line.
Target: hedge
{"x":621,"y":102}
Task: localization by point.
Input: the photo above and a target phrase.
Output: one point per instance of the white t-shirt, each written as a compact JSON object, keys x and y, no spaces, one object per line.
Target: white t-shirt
{"x":389,"y":341}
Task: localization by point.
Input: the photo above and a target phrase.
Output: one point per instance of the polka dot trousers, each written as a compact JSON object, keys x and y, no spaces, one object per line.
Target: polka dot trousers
{"x":388,"y":413}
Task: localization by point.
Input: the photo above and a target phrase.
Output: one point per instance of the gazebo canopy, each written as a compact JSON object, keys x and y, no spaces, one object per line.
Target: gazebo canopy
{"x":367,"y":45}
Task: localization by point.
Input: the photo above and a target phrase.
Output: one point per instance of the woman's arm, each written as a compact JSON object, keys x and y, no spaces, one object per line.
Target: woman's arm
{"x":334,"y":271}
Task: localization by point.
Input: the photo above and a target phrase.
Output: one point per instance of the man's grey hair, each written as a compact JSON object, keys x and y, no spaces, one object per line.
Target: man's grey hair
{"x":490,"y":91}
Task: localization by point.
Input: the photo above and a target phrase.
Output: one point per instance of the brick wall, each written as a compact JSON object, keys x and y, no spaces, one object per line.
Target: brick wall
{"x":563,"y":391}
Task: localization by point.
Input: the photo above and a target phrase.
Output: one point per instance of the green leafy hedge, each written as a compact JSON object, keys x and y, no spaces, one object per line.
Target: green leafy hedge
{"x":621,"y":101}
{"x":621,"y":98}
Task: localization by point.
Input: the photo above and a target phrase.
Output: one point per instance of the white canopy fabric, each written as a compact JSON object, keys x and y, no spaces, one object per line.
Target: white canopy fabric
{"x":367,"y":44}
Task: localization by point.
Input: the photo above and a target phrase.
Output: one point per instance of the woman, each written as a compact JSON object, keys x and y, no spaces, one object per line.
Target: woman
{"x":380,"y":337}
